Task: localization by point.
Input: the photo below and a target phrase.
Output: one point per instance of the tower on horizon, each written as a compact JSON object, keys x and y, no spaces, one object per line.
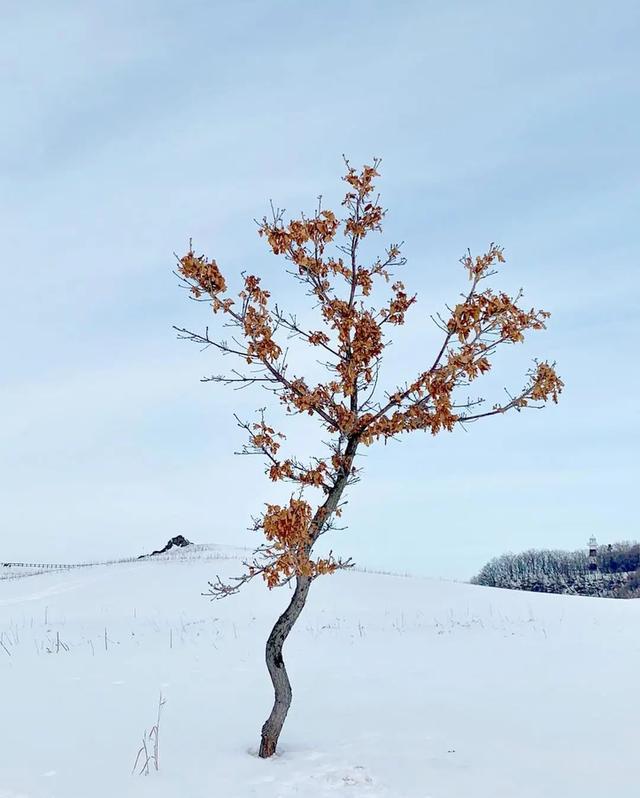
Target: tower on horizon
{"x":593,"y":554}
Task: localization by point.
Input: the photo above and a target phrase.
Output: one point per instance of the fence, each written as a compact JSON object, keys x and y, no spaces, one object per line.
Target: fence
{"x":193,"y":552}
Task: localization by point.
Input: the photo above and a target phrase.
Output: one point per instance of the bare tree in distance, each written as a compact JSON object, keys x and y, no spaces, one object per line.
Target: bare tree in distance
{"x":358,"y":303}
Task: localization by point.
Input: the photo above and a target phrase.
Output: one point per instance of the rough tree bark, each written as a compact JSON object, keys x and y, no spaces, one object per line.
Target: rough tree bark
{"x":283,"y":626}
{"x":277,"y":671}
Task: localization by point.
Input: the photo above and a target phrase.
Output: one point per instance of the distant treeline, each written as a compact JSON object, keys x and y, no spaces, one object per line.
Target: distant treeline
{"x":546,"y":571}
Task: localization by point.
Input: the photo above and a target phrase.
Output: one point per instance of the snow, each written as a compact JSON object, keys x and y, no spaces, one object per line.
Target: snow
{"x":402,"y":687}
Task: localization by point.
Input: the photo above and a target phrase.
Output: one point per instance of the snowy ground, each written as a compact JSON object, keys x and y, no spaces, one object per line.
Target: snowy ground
{"x":402,"y":687}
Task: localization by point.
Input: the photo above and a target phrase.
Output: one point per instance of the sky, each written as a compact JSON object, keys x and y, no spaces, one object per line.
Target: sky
{"x":131,"y":127}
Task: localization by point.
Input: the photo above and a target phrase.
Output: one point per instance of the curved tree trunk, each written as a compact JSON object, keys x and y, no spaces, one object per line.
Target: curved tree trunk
{"x":277,"y":671}
{"x":273,"y":653}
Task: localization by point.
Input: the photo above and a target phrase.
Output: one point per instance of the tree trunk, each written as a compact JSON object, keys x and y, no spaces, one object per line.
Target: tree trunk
{"x":273,"y":653}
{"x":277,"y":671}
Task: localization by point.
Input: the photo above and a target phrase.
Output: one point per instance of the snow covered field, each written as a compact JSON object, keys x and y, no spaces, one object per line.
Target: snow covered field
{"x":402,"y":687}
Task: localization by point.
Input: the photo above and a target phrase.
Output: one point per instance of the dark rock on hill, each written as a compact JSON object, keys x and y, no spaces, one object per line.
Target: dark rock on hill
{"x":179,"y":541}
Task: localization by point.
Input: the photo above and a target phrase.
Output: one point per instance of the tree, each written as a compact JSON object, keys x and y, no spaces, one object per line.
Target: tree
{"x":559,"y":571}
{"x":553,"y":571}
{"x":358,"y":304}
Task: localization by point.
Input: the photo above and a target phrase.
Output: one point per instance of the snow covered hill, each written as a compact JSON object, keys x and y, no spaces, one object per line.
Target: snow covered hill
{"x":402,"y":687}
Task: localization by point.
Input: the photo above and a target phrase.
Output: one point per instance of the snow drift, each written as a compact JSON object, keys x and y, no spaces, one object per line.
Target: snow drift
{"x":402,"y":687}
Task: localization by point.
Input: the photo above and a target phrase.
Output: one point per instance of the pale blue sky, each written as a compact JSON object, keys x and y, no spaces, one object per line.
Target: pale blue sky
{"x":128,"y":127}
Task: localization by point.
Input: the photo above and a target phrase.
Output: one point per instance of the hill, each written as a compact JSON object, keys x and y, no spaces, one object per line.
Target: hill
{"x":402,"y":687}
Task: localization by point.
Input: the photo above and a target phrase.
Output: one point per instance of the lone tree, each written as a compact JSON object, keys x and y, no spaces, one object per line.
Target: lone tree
{"x":357,"y":304}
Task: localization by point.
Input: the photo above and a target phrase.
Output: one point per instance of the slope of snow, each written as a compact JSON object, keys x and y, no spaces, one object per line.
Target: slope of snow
{"x":402,"y":687}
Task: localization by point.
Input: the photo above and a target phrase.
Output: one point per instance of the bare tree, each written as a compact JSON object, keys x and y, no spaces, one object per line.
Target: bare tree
{"x":358,"y":303}
{"x":561,"y":571}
